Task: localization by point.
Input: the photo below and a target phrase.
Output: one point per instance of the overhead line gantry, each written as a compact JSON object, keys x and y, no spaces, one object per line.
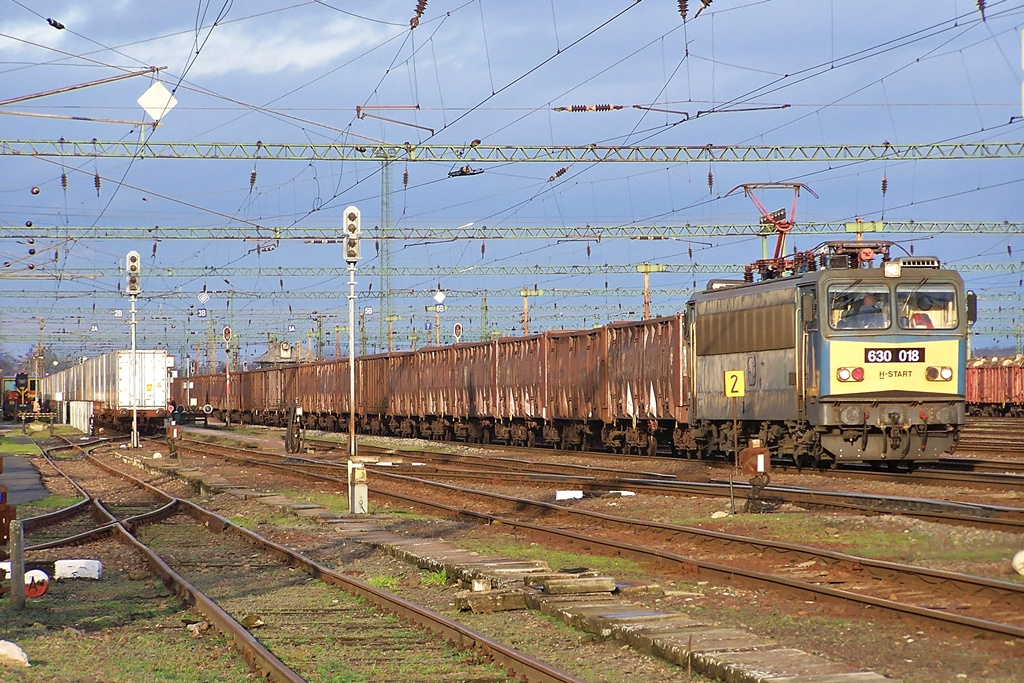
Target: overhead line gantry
{"x":40,"y":273}
{"x":408,"y":152}
{"x":255,"y":233}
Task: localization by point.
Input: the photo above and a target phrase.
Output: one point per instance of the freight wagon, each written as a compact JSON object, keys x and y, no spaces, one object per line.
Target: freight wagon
{"x":115,"y":384}
{"x":843,"y":359}
{"x":995,"y":387}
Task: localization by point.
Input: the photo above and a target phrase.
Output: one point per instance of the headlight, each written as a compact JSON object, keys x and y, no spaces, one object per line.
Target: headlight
{"x":938,"y":374}
{"x":850,"y":374}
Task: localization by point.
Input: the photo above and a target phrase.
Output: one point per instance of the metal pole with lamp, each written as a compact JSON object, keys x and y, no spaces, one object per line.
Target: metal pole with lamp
{"x":134,"y":265}
{"x":227,"y":374}
{"x":357,"y":491}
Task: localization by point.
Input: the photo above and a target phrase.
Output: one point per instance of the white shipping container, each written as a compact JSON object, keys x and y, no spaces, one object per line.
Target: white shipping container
{"x":117,"y":380}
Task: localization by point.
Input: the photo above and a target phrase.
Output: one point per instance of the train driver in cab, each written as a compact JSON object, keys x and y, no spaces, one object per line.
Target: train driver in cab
{"x":867,"y":313}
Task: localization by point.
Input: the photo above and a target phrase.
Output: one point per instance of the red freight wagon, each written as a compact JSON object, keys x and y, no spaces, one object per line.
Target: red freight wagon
{"x":995,"y":387}
{"x":646,"y":380}
{"x":518,"y":393}
{"x":577,"y":388}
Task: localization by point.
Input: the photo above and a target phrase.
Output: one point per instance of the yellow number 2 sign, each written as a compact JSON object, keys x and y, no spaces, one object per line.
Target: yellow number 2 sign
{"x":734,"y":386}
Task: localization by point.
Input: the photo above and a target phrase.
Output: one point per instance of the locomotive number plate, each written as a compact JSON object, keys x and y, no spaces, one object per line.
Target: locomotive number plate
{"x":896,"y":355}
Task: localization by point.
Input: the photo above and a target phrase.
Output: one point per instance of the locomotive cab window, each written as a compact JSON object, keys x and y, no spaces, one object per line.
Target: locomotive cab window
{"x":927,"y":306}
{"x":859,"y":307}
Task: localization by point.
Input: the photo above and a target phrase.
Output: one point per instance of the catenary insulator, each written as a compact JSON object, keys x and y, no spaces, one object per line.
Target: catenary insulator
{"x":421,"y":7}
{"x":577,"y":108}
{"x":405,"y":178}
{"x":711,"y":181}
{"x":682,"y":9}
{"x":252,"y":180}
{"x":885,"y":185}
{"x":96,"y":182}
{"x":560,"y":172}
{"x":64,"y":181}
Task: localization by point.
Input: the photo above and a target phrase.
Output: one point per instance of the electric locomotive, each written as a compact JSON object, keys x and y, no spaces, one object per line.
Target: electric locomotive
{"x":843,"y":360}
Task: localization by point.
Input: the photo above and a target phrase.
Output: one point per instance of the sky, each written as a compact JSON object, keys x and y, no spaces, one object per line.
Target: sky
{"x":478,"y":73}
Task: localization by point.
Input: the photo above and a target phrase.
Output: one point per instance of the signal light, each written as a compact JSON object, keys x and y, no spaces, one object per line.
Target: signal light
{"x":351,"y":249}
{"x":352,"y":229}
{"x":134,"y":267}
{"x":938,"y":374}
{"x":352,"y":222}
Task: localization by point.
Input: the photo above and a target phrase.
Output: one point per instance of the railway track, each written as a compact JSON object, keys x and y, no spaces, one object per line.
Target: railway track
{"x":952,"y":600}
{"x":497,"y":468}
{"x":205,"y":559}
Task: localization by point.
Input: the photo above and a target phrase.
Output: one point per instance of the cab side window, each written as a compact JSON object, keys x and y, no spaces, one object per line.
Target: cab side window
{"x":927,"y":306}
{"x":859,"y":307}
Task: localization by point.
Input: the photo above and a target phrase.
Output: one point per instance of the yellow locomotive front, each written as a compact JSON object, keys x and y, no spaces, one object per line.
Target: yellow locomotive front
{"x":888,"y":358}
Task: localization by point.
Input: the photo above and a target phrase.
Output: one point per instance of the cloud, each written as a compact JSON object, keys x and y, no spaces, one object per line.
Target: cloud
{"x":245,"y":49}
{"x":29,"y":29}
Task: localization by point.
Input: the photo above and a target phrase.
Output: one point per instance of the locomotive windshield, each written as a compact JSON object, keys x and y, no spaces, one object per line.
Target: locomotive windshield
{"x":859,"y":306}
{"x":927,"y":305}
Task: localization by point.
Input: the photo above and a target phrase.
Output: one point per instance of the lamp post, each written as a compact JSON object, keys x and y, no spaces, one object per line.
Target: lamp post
{"x":439,"y":297}
{"x":526,"y":294}
{"x":134,"y":265}
{"x":647,"y":268}
{"x":352,"y":232}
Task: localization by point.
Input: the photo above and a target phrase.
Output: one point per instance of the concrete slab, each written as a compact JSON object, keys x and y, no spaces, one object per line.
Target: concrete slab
{"x":22,"y":479}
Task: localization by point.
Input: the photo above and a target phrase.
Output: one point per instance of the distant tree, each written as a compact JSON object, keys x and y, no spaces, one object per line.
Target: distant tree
{"x":8,"y":364}
{"x":993,"y":351}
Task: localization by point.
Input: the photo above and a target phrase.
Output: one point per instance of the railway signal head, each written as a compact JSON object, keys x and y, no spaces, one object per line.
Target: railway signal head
{"x":134,"y":265}
{"x":352,"y":233}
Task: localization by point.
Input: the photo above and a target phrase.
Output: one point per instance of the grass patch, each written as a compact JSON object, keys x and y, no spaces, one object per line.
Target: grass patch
{"x":901,"y":539}
{"x":18,"y":445}
{"x":335,"y":502}
{"x":49,"y":504}
{"x":438,"y":578}
{"x":388,"y":583}
{"x":273,"y":518}
{"x":116,"y":629}
{"x":557,"y":559}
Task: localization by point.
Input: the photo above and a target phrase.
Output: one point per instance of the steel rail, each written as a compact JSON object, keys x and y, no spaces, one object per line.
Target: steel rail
{"x":692,"y":566}
{"x":251,"y":649}
{"x":930,"y":577}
